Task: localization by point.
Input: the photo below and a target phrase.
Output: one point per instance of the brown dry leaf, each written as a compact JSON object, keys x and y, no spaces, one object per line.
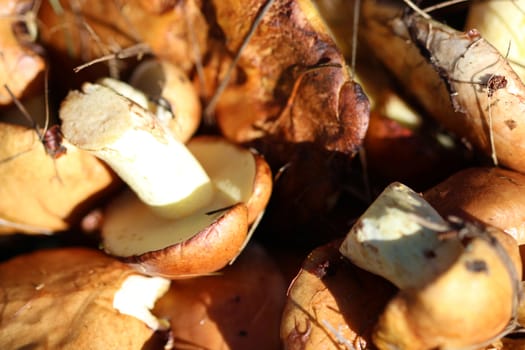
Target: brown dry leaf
{"x":332,"y":304}
{"x":62,"y":298}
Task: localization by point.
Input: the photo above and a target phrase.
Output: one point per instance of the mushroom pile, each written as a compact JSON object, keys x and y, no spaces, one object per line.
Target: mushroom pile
{"x":265,"y":174}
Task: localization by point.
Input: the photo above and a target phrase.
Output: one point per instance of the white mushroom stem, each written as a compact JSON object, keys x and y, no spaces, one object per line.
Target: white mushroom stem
{"x":137,"y":296}
{"x":395,"y":237}
{"x":160,"y":169}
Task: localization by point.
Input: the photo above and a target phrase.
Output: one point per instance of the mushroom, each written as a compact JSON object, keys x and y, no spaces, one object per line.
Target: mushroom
{"x":501,"y":24}
{"x":77,"y":298}
{"x":21,"y":63}
{"x":195,"y":203}
{"x":228,"y":309}
{"x":332,"y":304}
{"x":50,"y":194}
{"x":165,"y":90}
{"x":175,"y":33}
{"x":493,"y":196}
{"x":459,"y":283}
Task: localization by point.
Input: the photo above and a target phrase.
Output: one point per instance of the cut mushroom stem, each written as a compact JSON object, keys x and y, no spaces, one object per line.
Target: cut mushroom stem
{"x":160,"y":169}
{"x":448,"y":272}
{"x":395,"y":236}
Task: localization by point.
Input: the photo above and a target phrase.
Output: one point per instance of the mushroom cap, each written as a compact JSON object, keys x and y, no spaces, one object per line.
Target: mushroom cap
{"x":213,"y":243}
{"x":201,"y":242}
{"x":493,"y":196}
{"x":332,"y":303}
{"x":21,"y":63}
{"x":239,"y":307}
{"x":45,"y":202}
{"x":63,"y":298}
{"x":162,"y":79}
{"x":168,"y":34}
{"x":469,"y":305}
{"x":446,"y":272}
{"x":395,"y":151}
{"x":257,"y":187}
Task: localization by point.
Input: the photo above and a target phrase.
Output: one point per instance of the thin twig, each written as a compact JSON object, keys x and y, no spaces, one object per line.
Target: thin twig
{"x":442,"y":5}
{"x":417,"y":9}
{"x":357,"y":10}
{"x":139,"y":50}
{"x":196,"y":50}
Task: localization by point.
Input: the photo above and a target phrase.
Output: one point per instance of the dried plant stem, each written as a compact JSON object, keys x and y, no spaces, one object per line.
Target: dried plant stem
{"x":138,"y":50}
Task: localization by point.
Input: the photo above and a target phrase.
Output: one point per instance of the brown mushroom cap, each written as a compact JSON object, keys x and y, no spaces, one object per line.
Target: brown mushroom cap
{"x":493,"y":196}
{"x":63,"y":298}
{"x":212,"y":244}
{"x":201,"y":242}
{"x":469,"y":305}
{"x":240,"y":307}
{"x":396,"y":152}
{"x":171,"y":34}
{"x":163,"y":80}
{"x":332,"y":303}
{"x":50,"y":195}
{"x":21,"y":64}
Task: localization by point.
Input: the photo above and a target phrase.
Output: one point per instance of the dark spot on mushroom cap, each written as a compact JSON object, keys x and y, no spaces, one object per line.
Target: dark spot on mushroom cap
{"x":429,"y":254}
{"x":243,"y":333}
{"x":371,"y":247}
{"x":511,"y":124}
{"x":494,"y":83}
{"x":322,"y":269}
{"x":476,"y":265}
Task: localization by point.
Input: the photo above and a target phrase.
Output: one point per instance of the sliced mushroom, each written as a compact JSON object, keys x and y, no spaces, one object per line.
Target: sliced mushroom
{"x":196,"y":203}
{"x":72,"y":298}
